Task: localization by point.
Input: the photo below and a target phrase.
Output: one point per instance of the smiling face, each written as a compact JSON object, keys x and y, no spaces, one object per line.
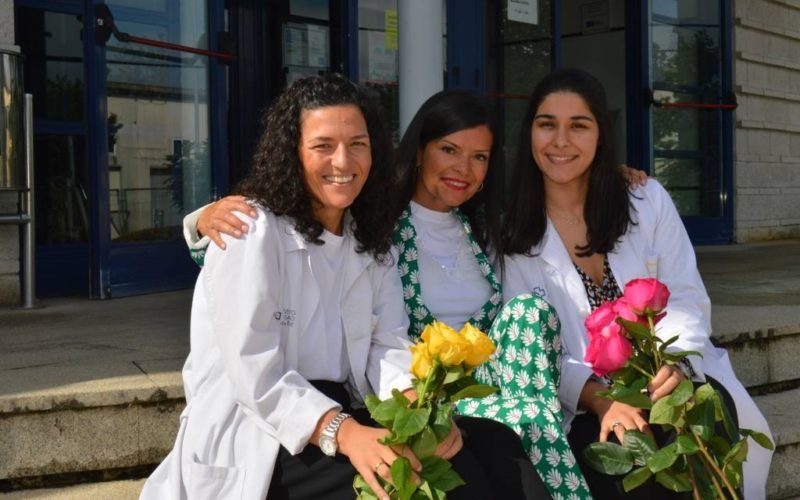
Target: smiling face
{"x":452,"y":168}
{"x":564,"y":138}
{"x":336,"y":157}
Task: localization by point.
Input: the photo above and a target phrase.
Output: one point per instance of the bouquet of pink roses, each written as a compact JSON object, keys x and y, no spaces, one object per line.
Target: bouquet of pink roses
{"x":624,"y":346}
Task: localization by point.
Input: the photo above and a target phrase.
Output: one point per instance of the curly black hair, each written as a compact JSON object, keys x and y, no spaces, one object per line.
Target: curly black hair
{"x":276,"y":179}
{"x":445,"y":113}
{"x":607,"y":210}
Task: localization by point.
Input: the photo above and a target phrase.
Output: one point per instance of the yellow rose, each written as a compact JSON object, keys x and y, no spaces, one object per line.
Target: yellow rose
{"x":447,"y":344}
{"x":421,"y":360}
{"x":481,"y":346}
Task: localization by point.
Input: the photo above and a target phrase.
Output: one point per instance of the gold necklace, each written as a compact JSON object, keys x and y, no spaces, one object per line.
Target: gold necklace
{"x":572,"y":220}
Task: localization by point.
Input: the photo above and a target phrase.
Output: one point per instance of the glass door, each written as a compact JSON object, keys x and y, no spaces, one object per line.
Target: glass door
{"x":689,"y":115}
{"x":159,"y":152}
{"x":53,"y":70}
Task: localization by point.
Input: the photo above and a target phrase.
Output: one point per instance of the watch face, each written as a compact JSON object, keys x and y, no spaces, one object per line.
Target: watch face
{"x":327,"y":445}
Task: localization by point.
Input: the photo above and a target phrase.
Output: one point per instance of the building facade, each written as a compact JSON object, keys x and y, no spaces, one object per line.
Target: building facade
{"x":150,"y":109}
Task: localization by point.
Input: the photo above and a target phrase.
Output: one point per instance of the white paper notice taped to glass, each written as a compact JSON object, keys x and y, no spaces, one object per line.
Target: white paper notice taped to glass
{"x":523,"y":11}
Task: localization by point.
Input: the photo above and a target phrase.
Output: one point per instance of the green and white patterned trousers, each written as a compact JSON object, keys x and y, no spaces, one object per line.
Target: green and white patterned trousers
{"x":527,"y":369}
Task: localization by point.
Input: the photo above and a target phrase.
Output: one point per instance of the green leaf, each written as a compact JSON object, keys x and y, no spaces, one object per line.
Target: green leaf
{"x":454,"y":387}
{"x":401,"y":399}
{"x":667,"y":343}
{"x":675,"y":481}
{"x":424,"y":444}
{"x":640,"y":445}
{"x":686,"y":445}
{"x":386,"y":412}
{"x":409,"y":422}
{"x":363,"y":489}
{"x":393,"y":439}
{"x":636,"y":478}
{"x":701,"y":420}
{"x":663,"y":458}
{"x":701,"y":477}
{"x":442,"y":421}
{"x":737,"y":453}
{"x":371,"y":401}
{"x":759,"y":438}
{"x":663,"y":413}
{"x":452,"y":374}
{"x":637,"y":400}
{"x":427,"y":492}
{"x":681,"y":394}
{"x":401,"y":478}
{"x":608,"y":458}
{"x":474,"y":391}
{"x":635,"y":328}
{"x":703,"y":393}
{"x":733,"y":471}
{"x":721,"y":413}
{"x":719,"y":446}
{"x":433,"y":468}
{"x":448,"y":481}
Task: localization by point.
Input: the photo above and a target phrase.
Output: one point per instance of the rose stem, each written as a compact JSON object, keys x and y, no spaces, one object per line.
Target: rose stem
{"x":710,"y":460}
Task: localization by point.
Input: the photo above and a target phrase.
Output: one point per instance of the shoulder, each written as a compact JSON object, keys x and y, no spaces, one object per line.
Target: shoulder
{"x":652,"y":193}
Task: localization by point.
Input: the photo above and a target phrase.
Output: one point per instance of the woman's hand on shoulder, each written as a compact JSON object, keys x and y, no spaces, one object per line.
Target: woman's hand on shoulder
{"x":633,"y":176}
{"x":369,"y":457}
{"x":218,"y":218}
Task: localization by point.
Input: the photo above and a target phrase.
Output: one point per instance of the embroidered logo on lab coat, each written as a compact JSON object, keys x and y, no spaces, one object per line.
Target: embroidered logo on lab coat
{"x":285,"y":317}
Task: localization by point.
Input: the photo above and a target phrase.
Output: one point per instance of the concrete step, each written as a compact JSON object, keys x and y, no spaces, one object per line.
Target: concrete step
{"x":112,"y":490}
{"x":765,"y":360}
{"x":58,"y":435}
{"x":781,"y":411}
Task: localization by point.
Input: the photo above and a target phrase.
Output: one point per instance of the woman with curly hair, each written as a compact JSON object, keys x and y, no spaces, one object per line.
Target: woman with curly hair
{"x":447,"y":166}
{"x":300,"y":320}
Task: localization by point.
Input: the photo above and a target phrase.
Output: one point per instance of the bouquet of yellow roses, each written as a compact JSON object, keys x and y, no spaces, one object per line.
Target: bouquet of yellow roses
{"x":442,"y":363}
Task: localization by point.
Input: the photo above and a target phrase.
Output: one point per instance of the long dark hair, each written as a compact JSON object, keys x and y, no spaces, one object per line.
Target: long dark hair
{"x":442,"y":114}
{"x":276,"y":178}
{"x":607,"y":210}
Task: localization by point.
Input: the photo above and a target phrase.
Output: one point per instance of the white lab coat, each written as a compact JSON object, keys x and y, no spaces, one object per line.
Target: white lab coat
{"x":244,"y":396}
{"x":657,"y":246}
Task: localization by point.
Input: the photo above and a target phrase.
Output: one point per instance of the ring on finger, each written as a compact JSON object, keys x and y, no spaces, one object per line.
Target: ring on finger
{"x":377,"y":466}
{"x":615,"y":424}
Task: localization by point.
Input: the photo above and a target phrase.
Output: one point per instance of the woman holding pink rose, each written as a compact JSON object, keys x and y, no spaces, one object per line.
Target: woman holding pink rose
{"x":573,"y":233}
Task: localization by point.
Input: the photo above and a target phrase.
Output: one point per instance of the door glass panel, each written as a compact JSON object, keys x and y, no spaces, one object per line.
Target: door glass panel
{"x":378,"y":55}
{"x":53,"y":68}
{"x":61,"y":189}
{"x":520,"y":54}
{"x":686,"y":70}
{"x":158,"y":113}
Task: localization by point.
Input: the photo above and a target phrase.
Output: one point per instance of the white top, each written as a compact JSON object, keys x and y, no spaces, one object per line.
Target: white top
{"x":452,"y":285}
{"x":328,"y":360}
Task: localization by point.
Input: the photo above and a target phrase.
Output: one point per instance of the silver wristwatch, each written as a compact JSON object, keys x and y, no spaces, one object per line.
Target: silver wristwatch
{"x":327,"y":440}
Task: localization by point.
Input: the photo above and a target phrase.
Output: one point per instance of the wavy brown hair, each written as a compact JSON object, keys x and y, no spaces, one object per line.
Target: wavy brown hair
{"x":276,"y":178}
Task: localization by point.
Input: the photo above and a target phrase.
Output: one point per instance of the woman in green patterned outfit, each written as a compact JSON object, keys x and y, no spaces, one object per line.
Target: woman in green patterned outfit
{"x":447,"y":173}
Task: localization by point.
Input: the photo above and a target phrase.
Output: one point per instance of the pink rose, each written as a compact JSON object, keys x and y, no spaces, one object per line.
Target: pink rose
{"x":646,"y":296}
{"x":624,"y":311}
{"x":608,"y":349}
{"x":602,"y":317}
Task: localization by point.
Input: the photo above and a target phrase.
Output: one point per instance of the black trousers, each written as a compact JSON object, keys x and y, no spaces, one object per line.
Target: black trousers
{"x":492,"y":463}
{"x":585,"y":430}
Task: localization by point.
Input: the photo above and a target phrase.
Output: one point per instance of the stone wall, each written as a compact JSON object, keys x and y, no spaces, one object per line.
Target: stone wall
{"x":9,"y":234}
{"x":767,"y":84}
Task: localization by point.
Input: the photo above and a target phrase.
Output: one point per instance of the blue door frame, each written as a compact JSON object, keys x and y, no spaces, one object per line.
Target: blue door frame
{"x":116,"y":269}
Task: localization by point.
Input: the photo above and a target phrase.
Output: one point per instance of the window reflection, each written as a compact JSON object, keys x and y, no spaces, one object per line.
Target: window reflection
{"x":159,"y":153}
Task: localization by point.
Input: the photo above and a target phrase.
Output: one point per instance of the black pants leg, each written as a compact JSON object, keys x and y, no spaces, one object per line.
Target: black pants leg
{"x":312,"y":475}
{"x":585,"y":430}
{"x":499,"y":450}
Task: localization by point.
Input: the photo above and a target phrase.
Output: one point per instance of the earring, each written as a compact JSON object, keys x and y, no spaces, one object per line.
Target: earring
{"x":480,"y":188}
